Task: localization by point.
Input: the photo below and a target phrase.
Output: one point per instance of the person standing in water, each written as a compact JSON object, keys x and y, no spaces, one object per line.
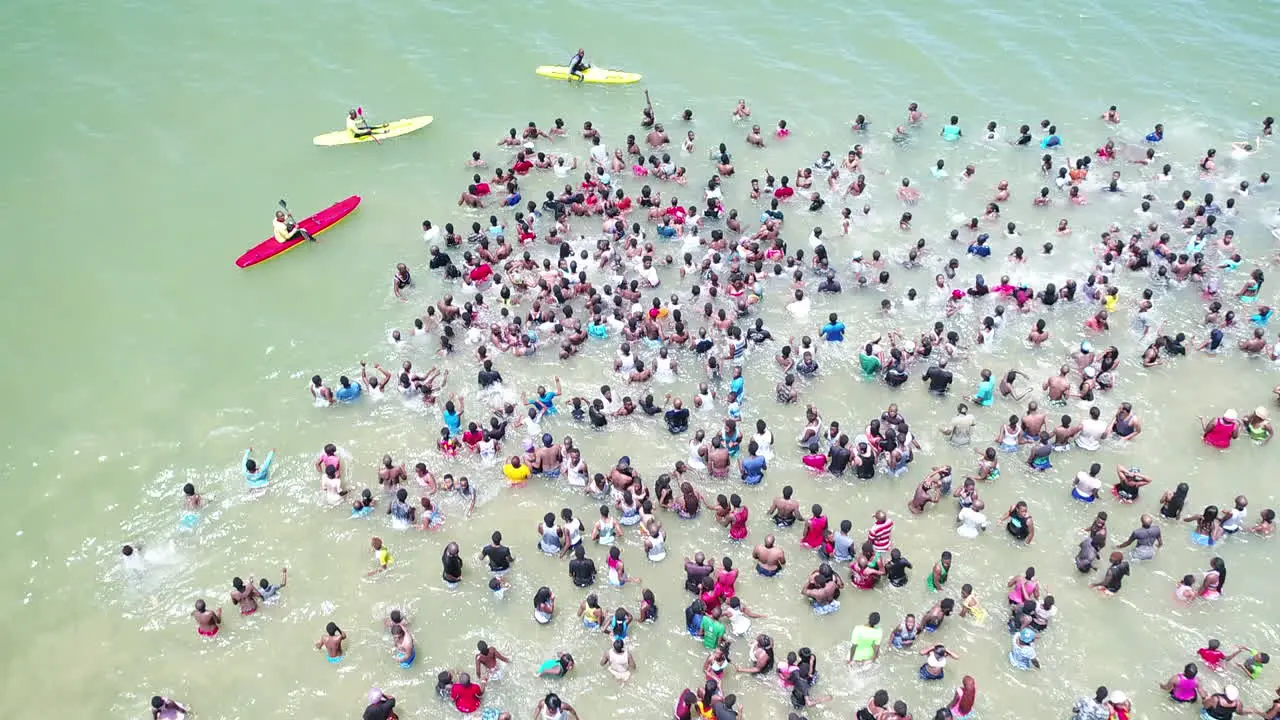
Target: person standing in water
{"x":208,"y":622}
{"x":255,"y":475}
{"x":405,"y":649}
{"x":246,"y":597}
{"x":331,"y":642}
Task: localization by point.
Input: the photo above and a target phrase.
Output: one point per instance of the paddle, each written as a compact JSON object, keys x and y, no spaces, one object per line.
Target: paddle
{"x":360,"y":114}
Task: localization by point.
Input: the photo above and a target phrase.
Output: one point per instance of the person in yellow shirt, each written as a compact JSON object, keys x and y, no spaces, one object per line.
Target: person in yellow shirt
{"x":516,"y":471}
{"x":382,"y":554}
{"x":1112,"y":300}
{"x":357,"y":126}
{"x":285,"y":229}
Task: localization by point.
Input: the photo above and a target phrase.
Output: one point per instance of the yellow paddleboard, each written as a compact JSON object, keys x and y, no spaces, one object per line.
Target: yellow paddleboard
{"x":592,"y":75}
{"x":389,"y":130}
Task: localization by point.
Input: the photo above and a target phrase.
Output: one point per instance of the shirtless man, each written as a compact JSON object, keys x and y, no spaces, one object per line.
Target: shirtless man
{"x":1033,"y":421}
{"x":391,"y":474}
{"x":718,"y":458}
{"x":1058,"y":386}
{"x":754,"y":137}
{"x":932,"y":620}
{"x":1255,"y":344}
{"x":823,"y":586}
{"x":657,"y":137}
{"x":928,"y":491}
{"x":469,"y":198}
{"x":332,"y":641}
{"x":769,"y":559}
{"x":487,"y":659}
{"x":1006,"y":385}
{"x":406,"y":651}
{"x":245,"y":596}
{"x":207,"y":621}
{"x":784,"y":510}
{"x":1065,"y":433}
{"x":548,"y":458}
{"x":742,"y":111}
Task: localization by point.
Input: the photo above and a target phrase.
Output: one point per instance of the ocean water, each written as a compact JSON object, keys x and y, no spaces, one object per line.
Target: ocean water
{"x":150,"y":144}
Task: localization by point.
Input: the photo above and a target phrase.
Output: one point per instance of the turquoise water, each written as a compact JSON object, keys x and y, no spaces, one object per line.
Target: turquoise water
{"x":154,"y":142}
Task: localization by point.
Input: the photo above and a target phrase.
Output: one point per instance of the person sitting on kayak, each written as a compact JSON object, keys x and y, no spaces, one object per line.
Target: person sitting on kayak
{"x":357,"y":126}
{"x":286,"y":229}
{"x":578,"y":64}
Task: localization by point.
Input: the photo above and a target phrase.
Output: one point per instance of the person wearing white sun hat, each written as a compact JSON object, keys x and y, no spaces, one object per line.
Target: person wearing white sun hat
{"x":1121,"y":708}
{"x":1223,"y":705}
{"x":1220,"y":431}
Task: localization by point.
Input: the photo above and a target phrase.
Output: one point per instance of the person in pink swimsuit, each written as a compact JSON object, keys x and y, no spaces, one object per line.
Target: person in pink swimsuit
{"x":738,"y":518}
{"x":815,"y":534}
{"x":727,"y":579}
{"x":1024,"y":587}
{"x":1185,"y":686}
{"x":330,"y":459}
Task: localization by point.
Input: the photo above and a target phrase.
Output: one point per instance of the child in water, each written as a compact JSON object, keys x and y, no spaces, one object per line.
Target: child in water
{"x":1186,"y":592}
{"x":1212,"y":654}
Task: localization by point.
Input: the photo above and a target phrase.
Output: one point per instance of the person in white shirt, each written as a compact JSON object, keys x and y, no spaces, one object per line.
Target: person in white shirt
{"x":815,"y":238}
{"x":1087,"y":485}
{"x":648,"y":273}
{"x":430,"y":234}
{"x":599,"y":153}
{"x":800,"y":306}
{"x":972,"y":520}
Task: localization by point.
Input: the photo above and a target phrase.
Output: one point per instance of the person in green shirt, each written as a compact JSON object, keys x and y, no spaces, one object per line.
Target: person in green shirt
{"x":712,"y":631}
{"x":986,"y":394}
{"x":869,"y":361}
{"x":865,"y":642}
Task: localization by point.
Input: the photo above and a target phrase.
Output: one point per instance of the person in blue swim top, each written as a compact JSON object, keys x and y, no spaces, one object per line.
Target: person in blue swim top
{"x":1157,"y":134}
{"x":406,"y":651}
{"x":257,"y":476}
{"x":952,"y":132}
{"x":578,"y":64}
{"x":1052,"y":139}
{"x":363,"y":505}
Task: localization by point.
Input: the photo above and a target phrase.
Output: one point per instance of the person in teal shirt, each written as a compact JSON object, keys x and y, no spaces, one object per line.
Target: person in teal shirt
{"x":869,"y":362}
{"x":453,"y":416}
{"x":738,"y":384}
{"x":833,"y":331}
{"x":986,"y":394}
{"x":545,"y":403}
{"x":951,"y":132}
{"x":257,"y":476}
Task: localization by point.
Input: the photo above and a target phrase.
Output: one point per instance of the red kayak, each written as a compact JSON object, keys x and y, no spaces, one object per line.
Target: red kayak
{"x":315,"y":225}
